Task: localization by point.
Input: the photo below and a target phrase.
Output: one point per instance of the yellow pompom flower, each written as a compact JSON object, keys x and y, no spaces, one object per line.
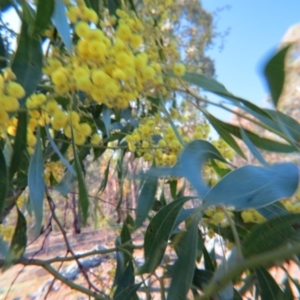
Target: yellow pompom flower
{"x":14,"y":89}
{"x":79,"y":138}
{"x":9,"y":104}
{"x":85,"y":129}
{"x":31,"y":139}
{"x":51,"y":106}
{"x":135,"y":41}
{"x":124,"y":32}
{"x":179,"y":69}
{"x":59,"y":120}
{"x":59,"y":77}
{"x":96,"y":139}
{"x":75,"y":118}
{"x":119,"y":74}
{"x":82,"y":29}
{"x":100,"y":78}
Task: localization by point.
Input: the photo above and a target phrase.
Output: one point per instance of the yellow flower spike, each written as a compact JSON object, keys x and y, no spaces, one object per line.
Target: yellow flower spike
{"x":14,"y":89}
{"x":179,"y":70}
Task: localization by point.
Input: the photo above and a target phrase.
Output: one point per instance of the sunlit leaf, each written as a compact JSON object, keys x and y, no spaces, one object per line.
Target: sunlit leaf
{"x":36,"y":183}
{"x":18,"y":243}
{"x":60,"y":21}
{"x":27,"y":62}
{"x":275,"y":73}
{"x":268,"y":288}
{"x":272,"y":234}
{"x":158,"y":234}
{"x":183,"y":270}
{"x":254,"y":187}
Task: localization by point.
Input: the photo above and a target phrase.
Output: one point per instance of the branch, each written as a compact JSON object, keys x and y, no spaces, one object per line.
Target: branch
{"x":283,"y":253}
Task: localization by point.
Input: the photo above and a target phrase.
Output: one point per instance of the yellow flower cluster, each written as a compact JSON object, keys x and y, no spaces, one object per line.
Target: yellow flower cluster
{"x":252,"y":216}
{"x":217,"y":216}
{"x":57,"y":170}
{"x":6,"y":232}
{"x":10,"y":93}
{"x":109,"y":65}
{"x":164,"y":152}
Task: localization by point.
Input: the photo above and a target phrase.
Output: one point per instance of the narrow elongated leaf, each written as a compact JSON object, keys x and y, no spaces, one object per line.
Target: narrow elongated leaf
{"x":182,"y":273}
{"x":65,"y":184}
{"x":60,"y":21}
{"x":254,"y":187}
{"x":18,"y":243}
{"x":45,"y":9}
{"x":273,"y":210}
{"x":209,"y":264}
{"x":252,"y":148}
{"x":260,"y":142}
{"x":275,"y":73}
{"x":61,"y":157}
{"x":36,"y":183}
{"x":120,"y":263}
{"x":19,"y":145}
{"x":106,"y":119}
{"x":3,"y":61}
{"x":287,"y":293}
{"x":27,"y":62}
{"x":224,"y":134}
{"x":145,"y":200}
{"x":268,"y":287}
{"x":158,"y":234}
{"x":126,"y":289}
{"x":105,"y":179}
{"x":3,"y":181}
{"x":272,"y":234}
{"x":83,"y":194}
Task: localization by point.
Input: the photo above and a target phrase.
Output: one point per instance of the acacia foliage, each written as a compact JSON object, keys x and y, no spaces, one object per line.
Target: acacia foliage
{"x":127,"y":77}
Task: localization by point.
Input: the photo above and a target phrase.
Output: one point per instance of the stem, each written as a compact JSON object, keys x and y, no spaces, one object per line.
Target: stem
{"x":281,"y":253}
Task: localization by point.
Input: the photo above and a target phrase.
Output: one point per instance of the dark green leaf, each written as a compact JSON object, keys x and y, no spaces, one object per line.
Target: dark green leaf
{"x":19,"y":145}
{"x":83,"y":194}
{"x":18,"y":243}
{"x":274,"y":210}
{"x":27,"y":62}
{"x":287,"y":291}
{"x":60,"y":21}
{"x":257,"y":186}
{"x":158,"y":234}
{"x":126,"y":289}
{"x":183,"y":271}
{"x":209,"y":264}
{"x":45,"y":9}
{"x":36,"y":183}
{"x":145,"y":200}
{"x":272,"y":234}
{"x":126,"y":238}
{"x":3,"y":58}
{"x":120,"y":263}
{"x":275,"y":73}
{"x":3,"y":181}
{"x":268,"y":288}
{"x":105,"y":179}
{"x":106,"y":113}
{"x":65,"y":184}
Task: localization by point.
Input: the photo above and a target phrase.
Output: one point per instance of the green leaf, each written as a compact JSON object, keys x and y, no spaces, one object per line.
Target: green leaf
{"x":65,"y":184}
{"x":106,"y":113}
{"x":224,"y":134}
{"x":275,"y":73}
{"x":19,"y":145}
{"x":183,"y":270}
{"x":209,"y":264}
{"x":120,"y":263}
{"x":272,"y":234}
{"x":126,"y":238}
{"x":61,"y":157}
{"x":158,"y":233}
{"x":287,"y":292}
{"x":83,"y":195}
{"x":45,"y":9}
{"x":18,"y":243}
{"x":3,"y":181}
{"x":126,"y":289}
{"x":268,"y":288}
{"x":27,"y":62}
{"x":257,"y":186}
{"x":3,"y":55}
{"x":60,"y":21}
{"x":273,"y":210}
{"x":36,"y":182}
{"x":105,"y":179}
{"x":145,"y":200}
{"x":252,"y":148}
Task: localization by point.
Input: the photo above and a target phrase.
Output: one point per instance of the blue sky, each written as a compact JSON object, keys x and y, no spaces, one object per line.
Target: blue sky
{"x":256,"y":28}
